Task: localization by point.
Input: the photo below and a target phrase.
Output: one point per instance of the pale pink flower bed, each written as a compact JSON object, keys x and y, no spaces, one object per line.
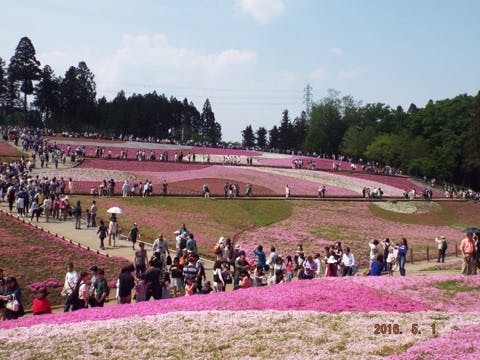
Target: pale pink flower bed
{"x":335,"y":179}
{"x":461,"y":343}
{"x":255,"y":176}
{"x":135,"y":165}
{"x":79,"y":174}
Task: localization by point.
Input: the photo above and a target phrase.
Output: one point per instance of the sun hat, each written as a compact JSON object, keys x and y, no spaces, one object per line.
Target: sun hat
{"x":331,"y":260}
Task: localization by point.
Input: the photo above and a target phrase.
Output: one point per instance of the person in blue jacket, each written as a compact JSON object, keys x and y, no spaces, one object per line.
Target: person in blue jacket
{"x":377,"y":266}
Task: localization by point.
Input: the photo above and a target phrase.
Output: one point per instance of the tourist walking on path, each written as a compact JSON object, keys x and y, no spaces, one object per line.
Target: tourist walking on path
{"x":140,"y":260}
{"x":160,"y":245}
{"x":442,"y":248}
{"x":112,"y":230}
{"x":133,"y":235}
{"x":467,"y":247}
{"x":93,"y":213}
{"x":35,"y":210}
{"x":47,"y":207}
{"x":102,"y":234}
{"x":77,"y":213}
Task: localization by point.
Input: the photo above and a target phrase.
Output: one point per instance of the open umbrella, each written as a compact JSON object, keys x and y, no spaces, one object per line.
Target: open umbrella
{"x":115,"y":210}
{"x":471,"y":230}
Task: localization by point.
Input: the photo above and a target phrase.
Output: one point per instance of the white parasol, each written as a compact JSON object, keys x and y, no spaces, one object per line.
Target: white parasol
{"x":115,"y":210}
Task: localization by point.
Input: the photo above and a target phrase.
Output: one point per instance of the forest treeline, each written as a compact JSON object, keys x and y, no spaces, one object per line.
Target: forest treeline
{"x":440,"y":140}
{"x":70,"y":103}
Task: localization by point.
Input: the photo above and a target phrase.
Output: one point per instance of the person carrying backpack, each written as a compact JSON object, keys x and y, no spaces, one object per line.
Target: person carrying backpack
{"x":442,"y":248}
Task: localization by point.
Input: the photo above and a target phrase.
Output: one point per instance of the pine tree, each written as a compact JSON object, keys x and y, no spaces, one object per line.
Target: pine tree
{"x":211,"y":130}
{"x":24,"y":68}
{"x":3,"y":89}
{"x":47,"y":95}
{"x":248,"y":137}
{"x":273,"y":135}
{"x":285,"y":132}
{"x":261,"y":137}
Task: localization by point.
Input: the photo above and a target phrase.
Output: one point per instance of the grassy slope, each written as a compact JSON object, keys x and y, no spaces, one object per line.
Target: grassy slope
{"x":207,"y":219}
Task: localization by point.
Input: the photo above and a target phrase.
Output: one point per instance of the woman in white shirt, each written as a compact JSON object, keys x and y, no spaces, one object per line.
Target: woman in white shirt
{"x":83,"y":291}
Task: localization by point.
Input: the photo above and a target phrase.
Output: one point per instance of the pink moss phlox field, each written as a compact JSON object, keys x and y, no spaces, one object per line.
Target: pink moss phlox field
{"x":327,"y":294}
{"x":115,"y":149}
{"x":7,"y":149}
{"x":49,"y":283}
{"x":248,"y":175}
{"x":423,"y":289}
{"x":133,"y":165}
{"x":452,"y":345}
{"x":352,"y":223}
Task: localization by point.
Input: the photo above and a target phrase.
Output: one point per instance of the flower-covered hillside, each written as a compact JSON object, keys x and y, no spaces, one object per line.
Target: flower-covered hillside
{"x":38,"y":259}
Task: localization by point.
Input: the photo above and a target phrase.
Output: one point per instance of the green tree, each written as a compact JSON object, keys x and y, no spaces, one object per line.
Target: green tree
{"x":285,"y":132}
{"x":3,"y":89}
{"x":211,"y":130}
{"x":355,"y":141}
{"x":471,"y":150}
{"x":261,"y":137}
{"x":385,"y":149}
{"x":70,"y":89}
{"x":300,"y":128}
{"x":47,"y":95}
{"x":328,"y":123}
{"x":273,"y":138}
{"x":87,"y":95}
{"x":24,"y":68}
{"x":248,"y":137}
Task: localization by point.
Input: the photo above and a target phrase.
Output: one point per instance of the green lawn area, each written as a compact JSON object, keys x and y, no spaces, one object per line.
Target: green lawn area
{"x":207,"y":219}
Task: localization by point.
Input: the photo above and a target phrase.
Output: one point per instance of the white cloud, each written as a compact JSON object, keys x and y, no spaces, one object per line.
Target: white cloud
{"x":351,"y":74}
{"x":262,"y":10}
{"x":336,"y":51}
{"x":151,"y":59}
{"x":319,"y":73}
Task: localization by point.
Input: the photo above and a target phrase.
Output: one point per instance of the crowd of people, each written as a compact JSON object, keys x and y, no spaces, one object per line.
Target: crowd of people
{"x":177,"y":270}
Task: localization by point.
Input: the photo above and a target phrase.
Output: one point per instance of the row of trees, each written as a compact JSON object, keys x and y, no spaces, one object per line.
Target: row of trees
{"x":440,"y":140}
{"x":70,"y":103}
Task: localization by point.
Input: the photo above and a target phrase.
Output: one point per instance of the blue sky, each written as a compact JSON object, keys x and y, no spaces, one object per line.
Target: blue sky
{"x":253,"y":58}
